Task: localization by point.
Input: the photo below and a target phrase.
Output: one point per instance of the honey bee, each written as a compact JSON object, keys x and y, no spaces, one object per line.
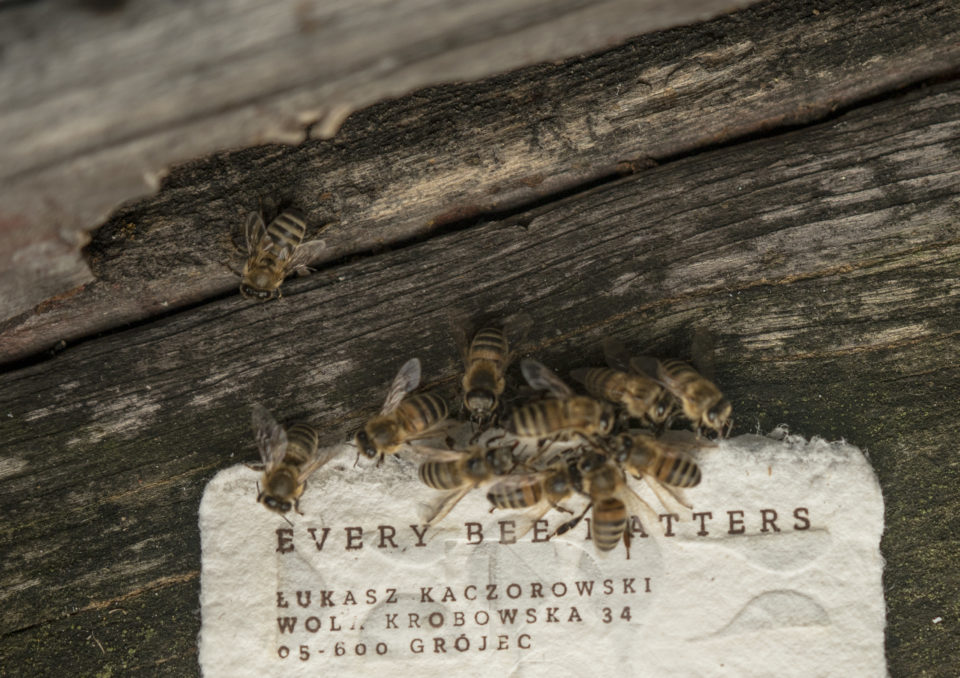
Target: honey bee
{"x":289,"y":456}
{"x":538,"y":492}
{"x":701,"y":400}
{"x":639,"y":395}
{"x":486,"y":358}
{"x":665,"y":459}
{"x":561,"y":416}
{"x":402,"y":418}
{"x":460,"y":472}
{"x":612,"y":500}
{"x":273,"y":252}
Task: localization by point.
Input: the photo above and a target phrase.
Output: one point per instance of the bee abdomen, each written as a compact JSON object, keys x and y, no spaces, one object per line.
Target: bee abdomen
{"x":609,"y":523}
{"x":534,"y":420}
{"x":602,"y":382}
{"x":423,"y":411}
{"x":288,"y":229}
{"x":440,"y":475}
{"x":302,"y":441}
{"x":489,"y":344}
{"x":517,"y":497}
{"x":681,"y":471}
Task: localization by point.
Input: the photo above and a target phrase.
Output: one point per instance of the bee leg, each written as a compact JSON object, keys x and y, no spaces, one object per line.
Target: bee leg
{"x":259,"y":492}
{"x":380,"y":460}
{"x":570,"y":524}
{"x":296,"y":505}
{"x":357,"y":460}
{"x":626,"y":540}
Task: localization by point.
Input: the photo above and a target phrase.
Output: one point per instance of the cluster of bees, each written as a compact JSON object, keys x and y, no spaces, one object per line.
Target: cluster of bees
{"x":620,"y":429}
{"x":533,"y":450}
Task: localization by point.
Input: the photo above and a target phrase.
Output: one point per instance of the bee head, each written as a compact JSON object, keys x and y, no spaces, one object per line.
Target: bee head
{"x":475,"y":466}
{"x":717,"y":416}
{"x":499,"y":460}
{"x":365,"y":445}
{"x":624,"y":447}
{"x":607,"y":419}
{"x":480,"y":401}
{"x":275,"y":504}
{"x":253,"y":290}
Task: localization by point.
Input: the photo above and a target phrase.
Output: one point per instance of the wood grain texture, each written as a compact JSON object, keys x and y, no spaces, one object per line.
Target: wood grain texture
{"x":408,"y":168}
{"x":101,"y":98}
{"x":826,"y":261}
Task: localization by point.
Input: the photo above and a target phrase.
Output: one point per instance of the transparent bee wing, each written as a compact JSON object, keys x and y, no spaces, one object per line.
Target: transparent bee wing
{"x":645,"y":365}
{"x":461,"y":330}
{"x":438,"y":453}
{"x":305,"y":254}
{"x":580,"y":374}
{"x":683,"y":442}
{"x":270,"y":435}
{"x":541,"y":377}
{"x":616,"y":354}
{"x":407,"y":379}
{"x":703,"y":351}
{"x":515,"y":329}
{"x":636,"y":506}
{"x":670,"y":497}
{"x":254,"y":230}
{"x":438,"y":510}
{"x":322,"y":456}
{"x":528,"y":518}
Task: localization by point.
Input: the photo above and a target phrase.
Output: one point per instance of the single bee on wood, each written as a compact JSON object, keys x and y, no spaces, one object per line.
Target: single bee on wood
{"x":402,"y":418}
{"x":486,"y":358}
{"x":560,"y":417}
{"x":289,"y":456}
{"x":640,"y":395}
{"x":273,"y":252}
{"x":459,"y":472}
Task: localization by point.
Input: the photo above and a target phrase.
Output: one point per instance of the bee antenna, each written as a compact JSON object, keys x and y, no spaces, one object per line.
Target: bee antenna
{"x":288,"y":520}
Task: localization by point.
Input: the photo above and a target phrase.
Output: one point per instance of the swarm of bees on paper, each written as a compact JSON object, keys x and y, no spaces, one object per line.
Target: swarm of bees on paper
{"x":533,"y":446}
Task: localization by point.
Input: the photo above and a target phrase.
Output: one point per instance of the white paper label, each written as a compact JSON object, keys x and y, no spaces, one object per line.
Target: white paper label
{"x":776,"y":571}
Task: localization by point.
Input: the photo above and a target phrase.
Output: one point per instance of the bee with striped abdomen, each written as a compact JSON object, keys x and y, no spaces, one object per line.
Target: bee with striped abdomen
{"x":537,"y":492}
{"x":563,"y":415}
{"x":289,"y":456}
{"x":666,"y":459}
{"x":402,"y":418}
{"x":486,"y":359}
{"x":459,"y":472}
{"x":273,"y":252}
{"x":612,"y":500}
{"x":701,"y":400}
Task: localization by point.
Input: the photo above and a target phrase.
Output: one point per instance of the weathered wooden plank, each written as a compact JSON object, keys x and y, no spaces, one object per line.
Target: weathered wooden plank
{"x":100,"y":98}
{"x":409,"y":167}
{"x":825,"y":260}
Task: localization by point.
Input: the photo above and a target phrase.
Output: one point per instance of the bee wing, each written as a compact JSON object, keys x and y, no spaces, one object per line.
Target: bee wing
{"x":703,"y":351}
{"x":683,"y":442}
{"x":407,"y":379}
{"x":461,"y":330}
{"x":616,"y":354}
{"x":637,"y":506}
{"x":303,"y":256}
{"x":646,"y":365}
{"x":322,"y":456}
{"x":515,"y":329}
{"x":254,"y":230}
{"x":541,"y":377}
{"x":670,"y":498}
{"x":271,"y":436}
{"x":526,"y":520}
{"x":580,"y":374}
{"x":438,"y":453}
{"x":438,"y":510}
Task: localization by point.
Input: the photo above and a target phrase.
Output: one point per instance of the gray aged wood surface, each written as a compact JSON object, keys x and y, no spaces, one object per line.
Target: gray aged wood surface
{"x":826,"y":260}
{"x":408,"y":168}
{"x":101,"y":97}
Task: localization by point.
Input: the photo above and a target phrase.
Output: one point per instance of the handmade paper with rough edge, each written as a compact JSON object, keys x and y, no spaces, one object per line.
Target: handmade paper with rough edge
{"x":775,"y":572}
